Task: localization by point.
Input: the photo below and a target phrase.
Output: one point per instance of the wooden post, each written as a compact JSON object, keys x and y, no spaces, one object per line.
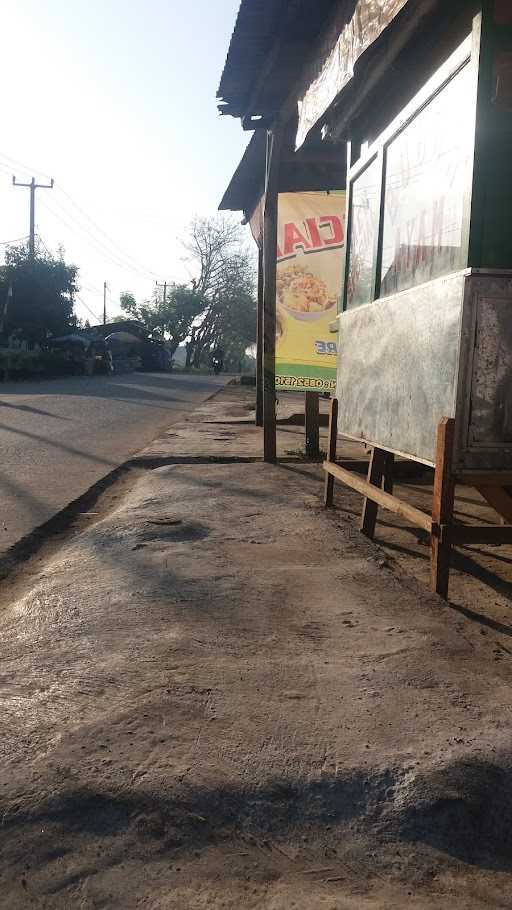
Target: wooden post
{"x":387,"y":483}
{"x":499,"y":499}
{"x":331,"y":452}
{"x":312,"y":422}
{"x":269,"y":293}
{"x":259,"y":343}
{"x":376,"y":474}
{"x":442,"y":509}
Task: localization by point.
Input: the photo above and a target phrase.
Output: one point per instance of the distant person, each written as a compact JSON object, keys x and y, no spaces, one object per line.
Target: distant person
{"x":218,"y":360}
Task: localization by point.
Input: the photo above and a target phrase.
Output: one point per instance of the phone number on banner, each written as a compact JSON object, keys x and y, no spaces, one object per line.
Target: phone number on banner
{"x":307,"y":383}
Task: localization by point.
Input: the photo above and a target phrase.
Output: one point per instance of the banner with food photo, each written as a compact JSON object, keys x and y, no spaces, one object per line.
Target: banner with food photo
{"x":311,"y":236}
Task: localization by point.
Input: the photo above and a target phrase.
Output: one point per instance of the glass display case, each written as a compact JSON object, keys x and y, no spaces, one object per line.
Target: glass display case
{"x":409,"y":198}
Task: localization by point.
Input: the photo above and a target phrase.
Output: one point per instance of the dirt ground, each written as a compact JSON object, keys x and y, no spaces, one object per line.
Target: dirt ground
{"x":216,"y":694}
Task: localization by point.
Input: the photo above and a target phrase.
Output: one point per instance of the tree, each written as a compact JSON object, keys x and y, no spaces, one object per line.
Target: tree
{"x":39,"y":293}
{"x":172,"y":319}
{"x":225,"y":277}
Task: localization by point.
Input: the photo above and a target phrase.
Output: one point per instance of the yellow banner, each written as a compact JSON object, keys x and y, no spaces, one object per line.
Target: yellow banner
{"x":311,"y":236}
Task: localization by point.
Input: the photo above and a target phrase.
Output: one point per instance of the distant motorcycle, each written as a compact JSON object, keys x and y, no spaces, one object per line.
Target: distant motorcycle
{"x":217,"y":365}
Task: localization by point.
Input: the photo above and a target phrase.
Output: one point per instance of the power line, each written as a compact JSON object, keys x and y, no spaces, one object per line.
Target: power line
{"x":94,"y":289}
{"x":122,"y":258}
{"x":87,"y":307}
{"x":131,"y":261}
{"x":83,"y":231}
{"x":44,"y":244}
{"x":80,"y":232}
{"x":16,"y":240}
{"x":33,"y":186}
{"x":102,"y":231}
{"x":24,"y":167}
{"x":77,"y":296}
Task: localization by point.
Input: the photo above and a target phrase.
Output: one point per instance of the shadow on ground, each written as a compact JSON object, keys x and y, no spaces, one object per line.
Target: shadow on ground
{"x":463,"y":809}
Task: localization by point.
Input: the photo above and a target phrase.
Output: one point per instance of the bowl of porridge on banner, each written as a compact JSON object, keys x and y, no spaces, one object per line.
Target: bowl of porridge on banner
{"x":302,"y":294}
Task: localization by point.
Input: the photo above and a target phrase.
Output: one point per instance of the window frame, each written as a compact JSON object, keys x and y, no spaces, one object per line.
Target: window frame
{"x":467,"y":54}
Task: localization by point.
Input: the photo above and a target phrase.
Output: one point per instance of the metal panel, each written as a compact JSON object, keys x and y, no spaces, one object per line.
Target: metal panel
{"x":491,"y":391}
{"x":369,"y":20}
{"x":485,"y":386}
{"x":398,"y":366}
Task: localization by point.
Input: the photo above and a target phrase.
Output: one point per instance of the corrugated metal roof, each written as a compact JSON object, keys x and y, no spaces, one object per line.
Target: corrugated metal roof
{"x":264,"y":26}
{"x":248,"y":181}
{"x":312,"y":169}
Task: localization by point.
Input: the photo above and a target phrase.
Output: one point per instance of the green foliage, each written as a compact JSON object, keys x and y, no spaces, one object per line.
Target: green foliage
{"x":219,"y":310}
{"x":16,"y":364}
{"x":172,"y":319}
{"x":225,"y":277}
{"x":43,"y":287}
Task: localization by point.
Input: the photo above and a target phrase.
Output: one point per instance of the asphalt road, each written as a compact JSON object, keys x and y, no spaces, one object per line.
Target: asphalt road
{"x":59,"y":437}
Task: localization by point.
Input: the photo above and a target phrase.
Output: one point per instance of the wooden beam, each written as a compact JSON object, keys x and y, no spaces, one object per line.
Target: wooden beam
{"x":498,"y":498}
{"x":460,"y":534}
{"x":386,"y":500}
{"x":375,"y":477}
{"x":312,"y":423}
{"x":259,"y":342}
{"x":322,"y":154}
{"x":442,"y":508}
{"x":274,"y":139}
{"x":331,"y":453}
{"x":389,"y":467}
{"x":484,"y":478}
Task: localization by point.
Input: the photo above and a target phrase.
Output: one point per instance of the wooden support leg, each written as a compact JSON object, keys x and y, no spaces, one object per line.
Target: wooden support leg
{"x":442,"y":509}
{"x":259,"y":343}
{"x":376,"y":474}
{"x":270,"y":214}
{"x":500,"y":500}
{"x":389,"y":466}
{"x":331,"y":452}
{"x":312,"y":422}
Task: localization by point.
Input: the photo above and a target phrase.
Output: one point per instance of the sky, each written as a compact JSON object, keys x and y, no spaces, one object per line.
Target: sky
{"x":115,"y":99}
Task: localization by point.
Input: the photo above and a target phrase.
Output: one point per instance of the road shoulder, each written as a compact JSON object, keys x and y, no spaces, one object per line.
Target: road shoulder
{"x":219,"y":695}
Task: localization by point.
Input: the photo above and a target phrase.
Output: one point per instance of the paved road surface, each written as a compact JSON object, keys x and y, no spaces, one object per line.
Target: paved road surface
{"x":59,"y":437}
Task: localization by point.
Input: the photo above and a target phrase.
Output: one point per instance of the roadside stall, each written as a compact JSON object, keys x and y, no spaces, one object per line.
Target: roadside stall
{"x":425,"y":336}
{"x":125,"y":351}
{"x":75,"y":349}
{"x":420,"y":91}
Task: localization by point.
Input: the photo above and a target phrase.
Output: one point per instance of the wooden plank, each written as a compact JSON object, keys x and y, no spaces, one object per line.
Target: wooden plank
{"x":484,"y":478}
{"x":312,"y":424}
{"x":386,"y":500}
{"x":259,"y":343}
{"x":461,"y":534}
{"x":274,"y":139}
{"x":389,"y":468}
{"x":442,"y":509}
{"x":375,"y":477}
{"x":331,"y":452}
{"x":499,"y":499}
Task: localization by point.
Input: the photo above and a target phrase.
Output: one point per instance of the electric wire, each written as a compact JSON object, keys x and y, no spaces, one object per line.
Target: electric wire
{"x":82,"y":232}
{"x":87,"y":307}
{"x":25,"y":167}
{"x":15,"y":240}
{"x":121,"y":255}
{"x":102,"y":231}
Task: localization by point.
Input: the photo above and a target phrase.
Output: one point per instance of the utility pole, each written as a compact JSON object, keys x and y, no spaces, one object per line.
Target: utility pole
{"x":33,"y":186}
{"x":104,"y":303}
{"x":164,"y":286}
